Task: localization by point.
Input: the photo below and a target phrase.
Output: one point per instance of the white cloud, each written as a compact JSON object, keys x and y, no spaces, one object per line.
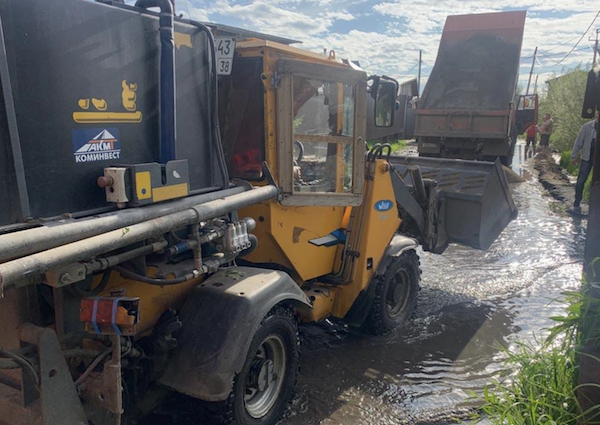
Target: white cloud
{"x":388,"y":34}
{"x":281,"y":17}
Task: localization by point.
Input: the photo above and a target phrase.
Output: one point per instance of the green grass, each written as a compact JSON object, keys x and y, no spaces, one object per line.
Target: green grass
{"x":541,"y":392}
{"x":398,"y":145}
{"x":541,"y":388}
{"x":565,"y":162}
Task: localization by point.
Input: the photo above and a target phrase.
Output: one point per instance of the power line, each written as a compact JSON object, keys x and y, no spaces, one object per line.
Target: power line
{"x":411,"y":69}
{"x":562,"y":44}
{"x":579,"y":41}
{"x":556,"y":63}
{"x":549,"y":55}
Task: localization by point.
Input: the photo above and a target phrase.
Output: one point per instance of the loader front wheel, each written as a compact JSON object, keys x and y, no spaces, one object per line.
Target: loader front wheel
{"x":265,"y":385}
{"x":395,"y":294}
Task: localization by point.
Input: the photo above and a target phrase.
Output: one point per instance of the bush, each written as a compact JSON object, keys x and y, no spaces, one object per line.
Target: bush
{"x":396,"y":146}
{"x":564,"y":101}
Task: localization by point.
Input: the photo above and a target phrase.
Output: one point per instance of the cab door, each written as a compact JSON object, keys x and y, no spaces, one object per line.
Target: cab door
{"x":527,"y":112}
{"x":321,"y":120}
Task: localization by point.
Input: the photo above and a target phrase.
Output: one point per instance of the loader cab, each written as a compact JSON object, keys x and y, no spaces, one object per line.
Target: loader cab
{"x":296,"y":118}
{"x":311,"y":130}
{"x":301,"y":113}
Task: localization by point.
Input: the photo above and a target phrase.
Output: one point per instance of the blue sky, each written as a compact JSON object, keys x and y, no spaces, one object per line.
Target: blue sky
{"x":386,"y":35}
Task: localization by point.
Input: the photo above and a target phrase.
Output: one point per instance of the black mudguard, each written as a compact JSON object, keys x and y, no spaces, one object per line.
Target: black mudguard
{"x":397,"y":246}
{"x":219,"y":320}
{"x":361,"y":307}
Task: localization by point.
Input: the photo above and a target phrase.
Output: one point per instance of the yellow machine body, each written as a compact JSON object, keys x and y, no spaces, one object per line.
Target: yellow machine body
{"x":285,"y":232}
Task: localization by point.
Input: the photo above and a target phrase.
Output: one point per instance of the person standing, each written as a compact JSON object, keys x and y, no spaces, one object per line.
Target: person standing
{"x":531,"y":133}
{"x":545,"y":131}
{"x":586,"y":145}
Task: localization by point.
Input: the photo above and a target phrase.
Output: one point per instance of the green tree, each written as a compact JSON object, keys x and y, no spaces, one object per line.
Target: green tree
{"x":564,"y":100}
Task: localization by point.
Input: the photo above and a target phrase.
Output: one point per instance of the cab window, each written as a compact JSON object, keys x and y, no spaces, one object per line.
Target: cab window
{"x":242,"y":119}
{"x":323,"y":136}
{"x":527,"y":102}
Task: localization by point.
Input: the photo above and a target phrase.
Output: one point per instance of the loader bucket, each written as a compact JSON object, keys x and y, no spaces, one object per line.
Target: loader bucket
{"x":476,"y":202}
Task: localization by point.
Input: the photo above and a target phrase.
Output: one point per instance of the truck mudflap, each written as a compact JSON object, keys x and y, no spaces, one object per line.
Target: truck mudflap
{"x":472,"y":201}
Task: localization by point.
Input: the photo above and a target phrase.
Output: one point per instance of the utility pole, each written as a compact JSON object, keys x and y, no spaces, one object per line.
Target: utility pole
{"x":531,"y":72}
{"x":419,"y":77}
{"x":535,"y":85}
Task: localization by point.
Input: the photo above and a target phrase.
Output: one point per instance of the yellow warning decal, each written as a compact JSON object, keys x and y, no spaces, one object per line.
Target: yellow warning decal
{"x":100,"y":115}
{"x":170,"y":192}
{"x":107,"y":117}
{"x":143,"y":185}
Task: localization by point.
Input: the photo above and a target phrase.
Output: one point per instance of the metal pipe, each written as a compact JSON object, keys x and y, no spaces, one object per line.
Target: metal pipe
{"x":168,"y":106}
{"x":25,"y":242}
{"x":113,"y":260}
{"x":33,"y":266}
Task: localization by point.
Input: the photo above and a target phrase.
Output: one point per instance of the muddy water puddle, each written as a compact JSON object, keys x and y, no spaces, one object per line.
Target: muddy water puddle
{"x":471,"y":303}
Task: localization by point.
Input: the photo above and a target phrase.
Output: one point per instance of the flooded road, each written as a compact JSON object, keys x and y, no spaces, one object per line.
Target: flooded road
{"x":471,"y":303}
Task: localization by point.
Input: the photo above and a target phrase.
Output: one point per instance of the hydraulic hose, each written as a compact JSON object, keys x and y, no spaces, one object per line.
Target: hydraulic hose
{"x":253,"y":245}
{"x":216,"y":130}
{"x":153,"y":281}
{"x":22,"y":362}
{"x":82,"y":293}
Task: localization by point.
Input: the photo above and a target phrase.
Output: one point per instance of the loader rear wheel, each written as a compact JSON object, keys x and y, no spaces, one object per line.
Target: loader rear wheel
{"x":395,"y":294}
{"x":265,"y":386}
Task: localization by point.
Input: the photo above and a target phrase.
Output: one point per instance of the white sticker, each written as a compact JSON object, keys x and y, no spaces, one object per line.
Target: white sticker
{"x":225,"y":49}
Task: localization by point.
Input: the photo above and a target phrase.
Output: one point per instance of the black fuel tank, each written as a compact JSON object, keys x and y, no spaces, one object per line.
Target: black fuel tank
{"x":85,"y":82}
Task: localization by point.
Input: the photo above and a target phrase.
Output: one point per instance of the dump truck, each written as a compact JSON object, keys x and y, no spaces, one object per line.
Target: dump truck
{"x":164,"y":229}
{"x":470,"y":108}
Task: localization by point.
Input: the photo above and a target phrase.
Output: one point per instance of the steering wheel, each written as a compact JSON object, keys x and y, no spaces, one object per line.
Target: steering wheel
{"x":298,"y":151}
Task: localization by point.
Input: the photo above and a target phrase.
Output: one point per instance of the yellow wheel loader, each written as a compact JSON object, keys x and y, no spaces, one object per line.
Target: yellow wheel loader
{"x":175,"y":198}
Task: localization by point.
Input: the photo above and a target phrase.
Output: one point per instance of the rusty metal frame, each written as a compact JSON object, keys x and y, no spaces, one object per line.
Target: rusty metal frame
{"x":60,"y":403}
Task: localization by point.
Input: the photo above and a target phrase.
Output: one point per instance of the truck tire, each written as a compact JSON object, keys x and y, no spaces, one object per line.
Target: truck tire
{"x":265,"y":386}
{"x":395,"y":294}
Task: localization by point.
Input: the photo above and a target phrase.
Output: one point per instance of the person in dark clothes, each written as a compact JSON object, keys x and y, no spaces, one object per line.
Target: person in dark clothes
{"x":586,"y":145}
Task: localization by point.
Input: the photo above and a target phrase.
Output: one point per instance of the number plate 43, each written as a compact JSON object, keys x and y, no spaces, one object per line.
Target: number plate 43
{"x":225,"y":47}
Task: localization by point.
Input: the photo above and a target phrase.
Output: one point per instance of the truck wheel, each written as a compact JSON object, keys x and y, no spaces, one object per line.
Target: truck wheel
{"x":265,"y":386}
{"x":396,"y":294}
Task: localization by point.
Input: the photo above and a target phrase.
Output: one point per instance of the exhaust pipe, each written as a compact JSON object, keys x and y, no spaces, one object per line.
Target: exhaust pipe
{"x":168,"y":135}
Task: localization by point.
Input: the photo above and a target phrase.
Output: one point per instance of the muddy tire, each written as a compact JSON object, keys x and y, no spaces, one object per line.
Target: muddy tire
{"x":395,"y":294}
{"x":265,"y":386}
